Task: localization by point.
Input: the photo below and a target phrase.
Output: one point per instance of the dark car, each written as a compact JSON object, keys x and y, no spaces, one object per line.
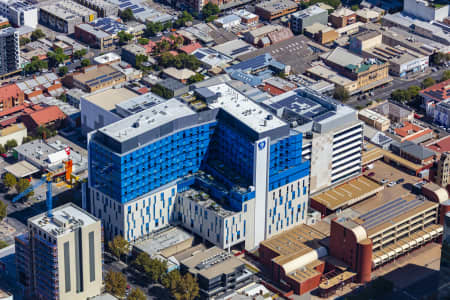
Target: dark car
{"x":371,"y":174}
{"x":400,"y":180}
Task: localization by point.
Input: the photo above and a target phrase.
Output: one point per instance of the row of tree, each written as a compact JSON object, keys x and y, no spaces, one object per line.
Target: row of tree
{"x":116,"y":284}
{"x":10,"y":181}
{"x":9,"y":145}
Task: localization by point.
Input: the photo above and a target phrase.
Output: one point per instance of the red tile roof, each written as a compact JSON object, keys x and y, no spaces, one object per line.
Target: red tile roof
{"x":47,"y":115}
{"x":440,"y":146}
{"x":190,"y":48}
{"x":438,"y":92}
{"x":10,"y":91}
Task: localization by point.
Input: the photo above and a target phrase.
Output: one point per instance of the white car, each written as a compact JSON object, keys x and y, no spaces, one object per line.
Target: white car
{"x":392,"y":183}
{"x":384,"y":181}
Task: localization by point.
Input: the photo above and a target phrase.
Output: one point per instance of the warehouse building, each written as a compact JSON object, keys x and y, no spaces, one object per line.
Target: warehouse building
{"x":275,"y":9}
{"x":63,"y":16}
{"x":102,"y":7}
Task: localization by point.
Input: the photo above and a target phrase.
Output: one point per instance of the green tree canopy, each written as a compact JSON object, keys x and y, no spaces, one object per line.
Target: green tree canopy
{"x":136,"y":294}
{"x":3,"y":210}
{"x":153,"y":28}
{"x":22,"y":185}
{"x":79,"y":53}
{"x":85,"y":62}
{"x":127,"y":15}
{"x":119,"y":246}
{"x":35,"y":65}
{"x":23,"y":41}
{"x":183,"y":19}
{"x":124,"y":37}
{"x":341,"y":94}
{"x":2,"y":149}
{"x":37,"y":34}
{"x":9,"y":180}
{"x":63,"y":70}
{"x":153,"y":268}
{"x":187,"y":288}
{"x":115,"y":283}
{"x":445,"y":75}
{"x":56,"y":57}
{"x":143,"y":41}
{"x":427,"y":82}
{"x":440,"y":58}
{"x":10,"y":144}
{"x":210,"y":9}
{"x":196,"y":78}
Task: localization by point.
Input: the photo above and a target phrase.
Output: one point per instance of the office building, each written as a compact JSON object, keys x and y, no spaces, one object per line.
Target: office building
{"x":374,"y":119}
{"x":233,"y":173}
{"x":10,"y":61}
{"x":60,"y":256}
{"x":217,"y":271}
{"x":267,"y":35}
{"x":131,"y":52}
{"x":102,"y":7}
{"x":332,"y":134}
{"x":274,"y":9}
{"x":442,"y":113}
{"x":434,"y":95}
{"x":63,"y":16}
{"x":444,"y":272}
{"x":20,"y":13}
{"x":247,"y":17}
{"x":307,"y":17}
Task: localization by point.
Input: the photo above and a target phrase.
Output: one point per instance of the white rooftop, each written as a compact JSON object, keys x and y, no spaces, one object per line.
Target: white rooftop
{"x":146,"y":120}
{"x":65,"y":219}
{"x":107,"y":58}
{"x":243,"y":109}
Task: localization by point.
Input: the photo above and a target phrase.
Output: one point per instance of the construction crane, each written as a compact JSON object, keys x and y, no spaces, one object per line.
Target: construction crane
{"x":47,"y":178}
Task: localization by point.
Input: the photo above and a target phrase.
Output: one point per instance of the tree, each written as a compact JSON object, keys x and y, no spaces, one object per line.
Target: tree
{"x":143,"y":41}
{"x":24,"y":40}
{"x":79,"y":53}
{"x":124,"y":37}
{"x":140,"y":58}
{"x":127,"y":15}
{"x":153,"y":28}
{"x":119,"y":246}
{"x":3,"y":244}
{"x":63,"y":70}
{"x":10,"y":144}
{"x":440,"y":58}
{"x":85,"y":62}
{"x":153,"y":268}
{"x":115,"y":283}
{"x":35,"y":65}
{"x":355,"y":7}
{"x":183,"y":19}
{"x":136,"y":294}
{"x":56,"y":57}
{"x":37,"y":34}
{"x":3,"y":210}
{"x":2,"y":149}
{"x":162,"y":91}
{"x":171,"y":280}
{"x":9,"y":180}
{"x":210,"y":9}
{"x":187,"y":289}
{"x":427,"y":82}
{"x":413,"y":92}
{"x":445,"y":75}
{"x":211,"y":18}
{"x":196,"y":78}
{"x":341,"y":94}
{"x":22,"y":185}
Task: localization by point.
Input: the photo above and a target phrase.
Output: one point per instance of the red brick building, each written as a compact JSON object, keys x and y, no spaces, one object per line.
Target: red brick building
{"x":10,"y":96}
{"x":50,"y":117}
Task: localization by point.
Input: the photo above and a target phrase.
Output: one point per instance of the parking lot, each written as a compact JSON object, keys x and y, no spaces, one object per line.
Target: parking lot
{"x":385,"y":174}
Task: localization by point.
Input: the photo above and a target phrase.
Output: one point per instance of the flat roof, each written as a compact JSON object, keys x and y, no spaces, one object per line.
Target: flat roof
{"x":275,"y":6}
{"x":67,"y":9}
{"x":329,"y":75}
{"x":243,"y":109}
{"x":21,"y":169}
{"x":212,"y":262}
{"x":146,"y":120}
{"x":139,"y":103}
{"x":234,"y":48}
{"x":164,"y":239}
{"x":348,"y":193}
{"x":97,"y":73}
{"x":342,"y":57}
{"x":65,"y":219}
{"x":107,"y":99}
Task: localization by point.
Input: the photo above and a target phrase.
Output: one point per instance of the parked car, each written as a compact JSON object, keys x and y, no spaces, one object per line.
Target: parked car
{"x":371,"y":174}
{"x":400,"y":180}
{"x":383,"y":181}
{"x":392,"y":183}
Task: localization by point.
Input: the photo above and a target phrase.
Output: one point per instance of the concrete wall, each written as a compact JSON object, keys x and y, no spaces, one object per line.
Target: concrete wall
{"x":17,"y":136}
{"x":419,"y":9}
{"x":94,"y":117}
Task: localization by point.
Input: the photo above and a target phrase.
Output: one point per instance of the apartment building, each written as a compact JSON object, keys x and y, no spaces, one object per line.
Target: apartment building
{"x":10,"y":60}
{"x":60,"y":256}
{"x":342,"y":17}
{"x":307,"y":17}
{"x":94,"y":37}
{"x":332,"y":134}
{"x":63,"y":16}
{"x":232,"y":173}
{"x":443,"y":170}
{"x":20,"y":13}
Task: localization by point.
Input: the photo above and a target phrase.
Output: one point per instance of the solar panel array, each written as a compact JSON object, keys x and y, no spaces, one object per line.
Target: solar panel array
{"x":241,"y":50}
{"x":388,"y":211}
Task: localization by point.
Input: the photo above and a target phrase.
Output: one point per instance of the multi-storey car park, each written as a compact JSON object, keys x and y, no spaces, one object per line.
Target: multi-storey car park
{"x":232,"y":173}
